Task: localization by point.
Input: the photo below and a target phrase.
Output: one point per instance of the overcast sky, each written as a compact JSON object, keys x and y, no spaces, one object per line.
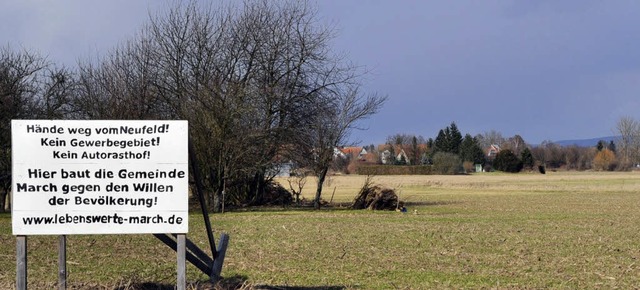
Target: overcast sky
{"x":546,"y":70}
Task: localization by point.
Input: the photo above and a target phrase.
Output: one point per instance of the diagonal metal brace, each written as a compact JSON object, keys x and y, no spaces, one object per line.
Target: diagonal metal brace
{"x":216,"y":268}
{"x":195,"y":257}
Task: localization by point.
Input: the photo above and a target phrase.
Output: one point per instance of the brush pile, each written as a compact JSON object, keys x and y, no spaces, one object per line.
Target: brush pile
{"x":374,"y":197}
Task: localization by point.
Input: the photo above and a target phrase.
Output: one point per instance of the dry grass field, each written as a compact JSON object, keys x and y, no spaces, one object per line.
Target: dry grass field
{"x":413,"y":188}
{"x":562,"y":230}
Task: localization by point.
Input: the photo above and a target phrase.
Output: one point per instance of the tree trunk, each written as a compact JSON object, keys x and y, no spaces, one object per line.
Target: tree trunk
{"x":217,"y":200}
{"x":257,"y":189}
{"x":217,"y":180}
{"x":3,"y":199}
{"x":321,"y":178}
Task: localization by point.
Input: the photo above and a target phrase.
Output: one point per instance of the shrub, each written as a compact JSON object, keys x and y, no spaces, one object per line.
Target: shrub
{"x":604,"y":160}
{"x":468,"y":166}
{"x":275,"y":194}
{"x":507,"y":161}
{"x":393,"y":170}
{"x":446,"y":163}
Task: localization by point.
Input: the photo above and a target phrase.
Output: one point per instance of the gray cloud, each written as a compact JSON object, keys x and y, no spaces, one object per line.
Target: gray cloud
{"x":541,"y":69}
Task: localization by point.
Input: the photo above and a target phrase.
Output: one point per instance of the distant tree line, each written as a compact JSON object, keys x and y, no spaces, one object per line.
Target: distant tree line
{"x":622,"y":153}
{"x":450,"y":153}
{"x":259,"y":85}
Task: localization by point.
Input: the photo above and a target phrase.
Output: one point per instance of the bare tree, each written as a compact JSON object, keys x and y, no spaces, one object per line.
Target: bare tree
{"x":343,"y":110}
{"x":489,"y":138}
{"x":629,"y":141}
{"x":554,"y":156}
{"x":296,"y":184}
{"x":403,"y":139}
{"x":251,"y":80}
{"x":516,"y":144}
{"x":119,"y":86}
{"x":30,"y":87}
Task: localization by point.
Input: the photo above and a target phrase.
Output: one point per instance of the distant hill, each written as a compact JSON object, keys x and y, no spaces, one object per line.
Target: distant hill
{"x":586,"y":142}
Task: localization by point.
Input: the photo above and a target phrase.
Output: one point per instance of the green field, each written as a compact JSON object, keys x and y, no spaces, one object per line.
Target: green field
{"x":560,"y":230}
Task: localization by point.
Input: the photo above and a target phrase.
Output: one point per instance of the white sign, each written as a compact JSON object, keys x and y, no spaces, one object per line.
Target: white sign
{"x":99,"y":177}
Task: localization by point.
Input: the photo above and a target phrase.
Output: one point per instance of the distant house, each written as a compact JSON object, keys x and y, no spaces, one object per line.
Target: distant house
{"x":402,"y":157}
{"x":492,"y":151}
{"x":354,"y":153}
{"x":337,"y":153}
{"x":282,"y":165}
{"x":284,"y":169}
{"x":393,"y":154}
{"x":370,"y":158}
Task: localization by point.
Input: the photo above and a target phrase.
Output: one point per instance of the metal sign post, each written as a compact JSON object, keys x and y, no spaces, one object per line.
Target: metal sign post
{"x":62,"y":262}
{"x":181,"y":283}
{"x":21,"y":262}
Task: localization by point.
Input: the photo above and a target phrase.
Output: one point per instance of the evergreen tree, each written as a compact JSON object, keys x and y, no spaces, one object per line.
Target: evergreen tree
{"x":415,"y":151}
{"x":612,"y":146}
{"x":470,"y":150}
{"x":465,"y":148}
{"x":448,"y":140}
{"x":600,"y":145}
{"x":440,"y":144}
{"x":455,"y":139}
{"x":478,"y":155}
{"x":527,"y":158}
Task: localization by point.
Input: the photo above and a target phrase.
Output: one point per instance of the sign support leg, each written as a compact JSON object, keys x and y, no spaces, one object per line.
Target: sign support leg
{"x":182,"y":264}
{"x":62,"y":262}
{"x":21,"y":262}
